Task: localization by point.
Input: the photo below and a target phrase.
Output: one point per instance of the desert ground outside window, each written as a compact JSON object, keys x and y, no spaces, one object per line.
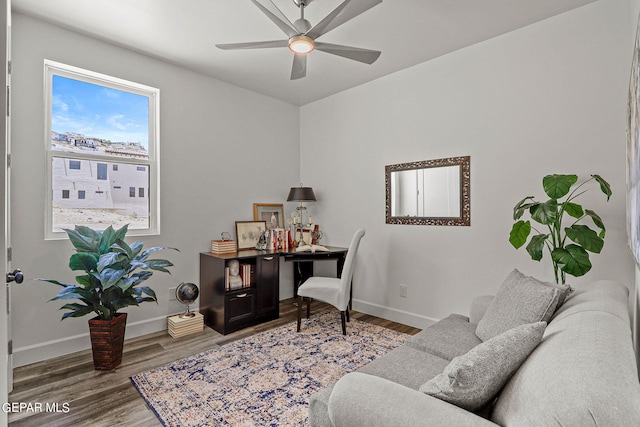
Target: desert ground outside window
{"x":101,"y":139}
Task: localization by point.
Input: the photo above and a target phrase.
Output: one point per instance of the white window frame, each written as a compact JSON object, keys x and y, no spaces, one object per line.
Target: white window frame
{"x":52,"y":68}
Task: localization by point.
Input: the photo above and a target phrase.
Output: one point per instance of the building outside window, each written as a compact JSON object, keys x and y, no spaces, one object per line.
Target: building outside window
{"x":102,"y":137}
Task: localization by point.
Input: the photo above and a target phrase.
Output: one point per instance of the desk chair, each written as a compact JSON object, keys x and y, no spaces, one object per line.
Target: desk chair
{"x":334,"y":291}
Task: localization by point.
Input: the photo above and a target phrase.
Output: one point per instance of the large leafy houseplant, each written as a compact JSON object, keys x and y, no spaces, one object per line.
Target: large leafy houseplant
{"x":568,"y":247}
{"x":113,"y":273}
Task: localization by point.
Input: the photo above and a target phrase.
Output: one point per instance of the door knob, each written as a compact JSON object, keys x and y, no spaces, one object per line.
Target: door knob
{"x":16,"y":276}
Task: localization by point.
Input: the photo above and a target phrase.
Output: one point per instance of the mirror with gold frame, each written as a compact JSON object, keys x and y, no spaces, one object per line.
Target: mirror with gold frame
{"x":429,"y":192}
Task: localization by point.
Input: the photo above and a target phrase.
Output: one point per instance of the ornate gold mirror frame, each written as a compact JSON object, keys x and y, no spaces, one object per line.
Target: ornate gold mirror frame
{"x":454,"y":186}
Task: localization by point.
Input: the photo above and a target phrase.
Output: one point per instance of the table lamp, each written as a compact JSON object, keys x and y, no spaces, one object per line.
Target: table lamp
{"x":301,"y":194}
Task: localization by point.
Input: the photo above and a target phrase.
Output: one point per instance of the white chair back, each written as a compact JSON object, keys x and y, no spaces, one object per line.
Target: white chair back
{"x":347,"y":270}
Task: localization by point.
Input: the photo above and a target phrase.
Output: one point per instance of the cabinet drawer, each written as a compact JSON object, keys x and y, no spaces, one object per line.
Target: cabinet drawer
{"x":240,"y":306}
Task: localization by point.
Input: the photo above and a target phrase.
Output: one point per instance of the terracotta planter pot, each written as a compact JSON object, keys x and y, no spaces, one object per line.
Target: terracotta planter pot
{"x":107,"y":340}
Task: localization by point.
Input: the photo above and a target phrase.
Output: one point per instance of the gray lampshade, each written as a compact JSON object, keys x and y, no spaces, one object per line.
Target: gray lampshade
{"x":301,"y":194}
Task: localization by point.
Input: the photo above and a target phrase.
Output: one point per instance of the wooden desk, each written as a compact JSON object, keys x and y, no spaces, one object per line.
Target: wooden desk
{"x":227,"y":310}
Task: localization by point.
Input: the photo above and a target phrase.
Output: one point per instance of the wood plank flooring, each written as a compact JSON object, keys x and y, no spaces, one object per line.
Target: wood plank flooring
{"x":107,"y":399}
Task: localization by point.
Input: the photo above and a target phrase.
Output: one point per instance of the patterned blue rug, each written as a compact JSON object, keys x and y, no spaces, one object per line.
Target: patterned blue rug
{"x":265,"y":379}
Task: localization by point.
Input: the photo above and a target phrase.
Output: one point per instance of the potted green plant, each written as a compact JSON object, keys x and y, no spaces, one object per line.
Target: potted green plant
{"x":113,"y":274}
{"x":568,"y":247}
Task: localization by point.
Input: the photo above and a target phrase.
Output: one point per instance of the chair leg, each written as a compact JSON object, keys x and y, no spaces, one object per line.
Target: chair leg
{"x":344,"y":324}
{"x":348,"y":320}
{"x":299,"y":311}
{"x":308,"y":307}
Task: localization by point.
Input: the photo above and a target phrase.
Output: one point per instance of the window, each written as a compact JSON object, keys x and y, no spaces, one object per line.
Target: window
{"x":105,"y":129}
{"x":102,"y":171}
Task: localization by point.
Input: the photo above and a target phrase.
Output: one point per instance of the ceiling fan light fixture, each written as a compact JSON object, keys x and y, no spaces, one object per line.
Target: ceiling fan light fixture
{"x":301,"y":44}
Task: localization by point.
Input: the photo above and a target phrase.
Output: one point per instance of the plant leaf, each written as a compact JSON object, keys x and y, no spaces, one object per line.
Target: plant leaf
{"x":545,"y":213}
{"x":597,"y":221}
{"x":83,"y":239}
{"x":55,"y":282}
{"x":573,"y":210}
{"x":604,"y":186}
{"x":109,"y":259}
{"x":519,"y":233}
{"x":536,"y":246}
{"x":86,"y":261}
{"x":109,"y":277}
{"x":585,"y":237}
{"x":77,"y":310}
{"x":572,"y":259}
{"x":557,"y":186}
{"x":520,"y":207}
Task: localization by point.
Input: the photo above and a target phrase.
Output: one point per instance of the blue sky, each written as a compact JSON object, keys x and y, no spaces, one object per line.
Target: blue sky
{"x":99,"y":111}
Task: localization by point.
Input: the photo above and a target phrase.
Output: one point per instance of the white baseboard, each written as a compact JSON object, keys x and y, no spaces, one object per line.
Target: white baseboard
{"x":400,"y":316}
{"x":60,"y":347}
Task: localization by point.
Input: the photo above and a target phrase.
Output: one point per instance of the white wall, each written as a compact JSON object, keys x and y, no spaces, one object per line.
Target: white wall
{"x":222,"y":149}
{"x":548,"y":98}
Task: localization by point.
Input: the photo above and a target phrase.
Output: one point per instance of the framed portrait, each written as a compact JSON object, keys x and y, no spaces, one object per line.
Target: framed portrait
{"x":248,"y":233}
{"x":271,"y":213}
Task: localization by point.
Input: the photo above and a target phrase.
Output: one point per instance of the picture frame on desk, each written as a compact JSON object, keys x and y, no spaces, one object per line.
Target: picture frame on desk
{"x":248,"y":233}
{"x":271,"y":213}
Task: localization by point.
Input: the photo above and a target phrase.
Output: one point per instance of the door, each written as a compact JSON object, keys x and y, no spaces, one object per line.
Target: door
{"x":6,"y":370}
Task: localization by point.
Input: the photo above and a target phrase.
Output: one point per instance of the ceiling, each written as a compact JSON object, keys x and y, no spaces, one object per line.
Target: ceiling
{"x":185,"y":32}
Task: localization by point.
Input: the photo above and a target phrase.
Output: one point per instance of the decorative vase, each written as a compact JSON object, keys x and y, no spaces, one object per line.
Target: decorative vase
{"x":107,"y":341}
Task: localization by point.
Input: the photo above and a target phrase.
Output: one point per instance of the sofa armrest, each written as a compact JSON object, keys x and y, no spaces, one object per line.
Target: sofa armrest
{"x":479,"y":307}
{"x":365,"y":400}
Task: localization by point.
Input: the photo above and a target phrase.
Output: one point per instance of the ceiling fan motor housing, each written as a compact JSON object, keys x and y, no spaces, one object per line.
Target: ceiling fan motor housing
{"x":302,"y":3}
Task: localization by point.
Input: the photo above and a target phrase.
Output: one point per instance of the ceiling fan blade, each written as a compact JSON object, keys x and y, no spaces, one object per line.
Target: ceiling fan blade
{"x":348,"y":10}
{"x":299,"y":69}
{"x":254,"y":45}
{"x":279,"y":18}
{"x":357,"y":54}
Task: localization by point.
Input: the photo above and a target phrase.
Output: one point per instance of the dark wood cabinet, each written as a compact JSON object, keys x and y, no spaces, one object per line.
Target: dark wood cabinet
{"x":226,"y":310}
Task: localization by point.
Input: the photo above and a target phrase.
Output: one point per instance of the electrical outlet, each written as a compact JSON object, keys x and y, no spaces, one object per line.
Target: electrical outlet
{"x":172,"y":294}
{"x":403,"y":291}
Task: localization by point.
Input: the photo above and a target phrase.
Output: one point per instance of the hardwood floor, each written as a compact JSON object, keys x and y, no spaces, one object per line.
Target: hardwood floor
{"x":109,"y":399}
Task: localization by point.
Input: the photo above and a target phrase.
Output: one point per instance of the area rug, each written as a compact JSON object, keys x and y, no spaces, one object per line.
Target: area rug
{"x":265,"y":379}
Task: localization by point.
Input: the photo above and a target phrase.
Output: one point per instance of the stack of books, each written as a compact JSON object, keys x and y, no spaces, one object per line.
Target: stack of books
{"x":181,"y":326}
{"x":247,"y":272}
{"x":221,"y":246}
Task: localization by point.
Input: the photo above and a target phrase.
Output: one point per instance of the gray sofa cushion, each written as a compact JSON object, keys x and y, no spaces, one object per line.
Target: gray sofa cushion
{"x":519,"y":301}
{"x":407,"y":366}
{"x":470,"y":381}
{"x":448,"y":338}
{"x":583,"y":373}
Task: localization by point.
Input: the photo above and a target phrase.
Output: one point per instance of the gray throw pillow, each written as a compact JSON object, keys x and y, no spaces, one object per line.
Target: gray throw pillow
{"x":470,"y":381}
{"x":563,"y":292}
{"x":520,"y":300}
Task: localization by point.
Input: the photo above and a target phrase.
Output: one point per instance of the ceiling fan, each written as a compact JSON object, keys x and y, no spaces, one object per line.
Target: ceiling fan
{"x":302,"y":36}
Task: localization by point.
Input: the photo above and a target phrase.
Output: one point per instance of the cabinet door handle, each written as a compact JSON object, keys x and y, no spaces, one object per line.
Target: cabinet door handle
{"x":268,"y":258}
{"x":241,"y":295}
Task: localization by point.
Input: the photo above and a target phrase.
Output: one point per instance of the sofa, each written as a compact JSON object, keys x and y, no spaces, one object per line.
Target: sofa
{"x":581,"y":372}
